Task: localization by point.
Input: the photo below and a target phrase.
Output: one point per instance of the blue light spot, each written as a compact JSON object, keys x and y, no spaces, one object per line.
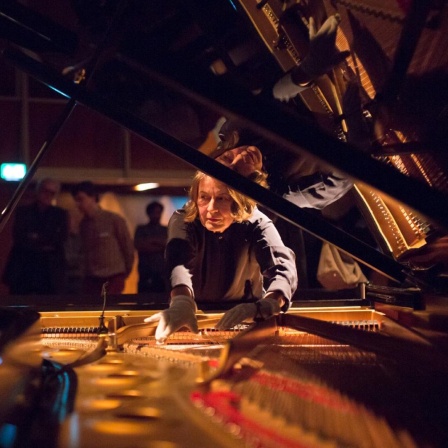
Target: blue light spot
{"x":8,"y":435}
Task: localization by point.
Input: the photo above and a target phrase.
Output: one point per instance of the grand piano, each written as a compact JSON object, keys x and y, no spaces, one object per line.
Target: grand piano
{"x":365,"y":366}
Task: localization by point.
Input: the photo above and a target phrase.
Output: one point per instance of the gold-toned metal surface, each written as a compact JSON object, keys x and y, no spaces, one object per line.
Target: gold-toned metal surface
{"x":300,"y":379}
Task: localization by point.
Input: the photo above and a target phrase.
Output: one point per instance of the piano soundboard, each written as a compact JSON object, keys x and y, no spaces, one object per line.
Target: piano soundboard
{"x":330,"y":377}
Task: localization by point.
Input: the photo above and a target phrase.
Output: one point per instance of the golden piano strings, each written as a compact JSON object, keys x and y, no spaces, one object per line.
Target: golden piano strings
{"x":302,"y":411}
{"x":371,"y":31}
{"x":282,"y":382}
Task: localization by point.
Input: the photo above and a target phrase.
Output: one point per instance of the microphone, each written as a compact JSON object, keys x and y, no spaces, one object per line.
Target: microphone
{"x":102,"y":329}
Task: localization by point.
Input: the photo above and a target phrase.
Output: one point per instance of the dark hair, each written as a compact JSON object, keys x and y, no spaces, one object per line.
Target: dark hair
{"x":86,"y":187}
{"x":152,"y":206}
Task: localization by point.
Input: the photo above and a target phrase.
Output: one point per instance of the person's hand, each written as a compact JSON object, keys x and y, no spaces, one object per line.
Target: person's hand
{"x":262,"y":309}
{"x":285,"y":88}
{"x":181,"y":313}
{"x":245,"y":160}
{"x":321,"y":58}
{"x":323,"y":54}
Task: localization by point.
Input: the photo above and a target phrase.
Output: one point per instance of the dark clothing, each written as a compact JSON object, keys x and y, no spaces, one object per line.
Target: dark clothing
{"x":36,"y":264}
{"x":75,"y":269}
{"x":242,"y":263}
{"x":150,"y":240}
{"x":94,"y":285}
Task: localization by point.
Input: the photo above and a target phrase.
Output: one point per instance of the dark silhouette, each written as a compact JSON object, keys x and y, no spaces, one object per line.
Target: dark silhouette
{"x":36,"y":263}
{"x":150,"y":240}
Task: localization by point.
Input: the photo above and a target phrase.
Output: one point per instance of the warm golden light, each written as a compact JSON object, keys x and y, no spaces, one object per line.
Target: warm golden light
{"x":144,"y":187}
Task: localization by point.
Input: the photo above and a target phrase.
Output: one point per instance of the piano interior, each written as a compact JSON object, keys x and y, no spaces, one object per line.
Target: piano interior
{"x":362,"y":367}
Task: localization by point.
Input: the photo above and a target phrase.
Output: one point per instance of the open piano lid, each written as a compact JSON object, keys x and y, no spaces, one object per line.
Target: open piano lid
{"x":126,"y":53}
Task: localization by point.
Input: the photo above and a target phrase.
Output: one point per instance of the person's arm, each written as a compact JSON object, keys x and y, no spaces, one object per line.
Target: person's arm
{"x":179,"y":252}
{"x":318,"y":190}
{"x":360,"y":125}
{"x":125,"y":243}
{"x":321,"y":58}
{"x":278,"y":297}
{"x":181,"y":290}
{"x":277,"y":264}
{"x":182,"y":309}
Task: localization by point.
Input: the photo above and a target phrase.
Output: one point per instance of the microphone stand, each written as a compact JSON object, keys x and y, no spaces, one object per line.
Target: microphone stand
{"x":102,"y":329}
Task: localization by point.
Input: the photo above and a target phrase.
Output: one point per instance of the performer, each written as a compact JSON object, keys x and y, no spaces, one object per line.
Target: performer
{"x":222,"y":248}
